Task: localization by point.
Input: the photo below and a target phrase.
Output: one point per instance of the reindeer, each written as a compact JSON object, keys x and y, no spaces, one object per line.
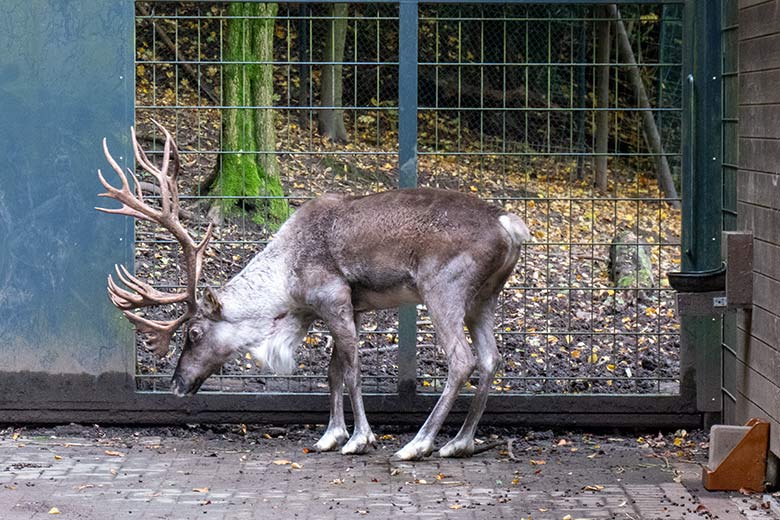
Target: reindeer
{"x":336,"y":257}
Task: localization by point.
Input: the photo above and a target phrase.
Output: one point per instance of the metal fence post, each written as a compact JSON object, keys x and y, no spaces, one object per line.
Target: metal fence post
{"x":703,"y":198}
{"x":407,"y":157}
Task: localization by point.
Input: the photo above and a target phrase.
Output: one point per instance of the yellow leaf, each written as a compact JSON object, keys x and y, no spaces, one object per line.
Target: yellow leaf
{"x":112,"y":453}
{"x":295,"y":465}
{"x":54,"y":511}
{"x":538,"y":462}
{"x":611,"y":367}
{"x":57,"y":457}
{"x":678,"y":441}
{"x":593,"y":358}
{"x":281,"y":462}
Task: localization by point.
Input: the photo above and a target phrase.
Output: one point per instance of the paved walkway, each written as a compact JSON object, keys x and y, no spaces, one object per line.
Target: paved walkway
{"x":78,"y":472}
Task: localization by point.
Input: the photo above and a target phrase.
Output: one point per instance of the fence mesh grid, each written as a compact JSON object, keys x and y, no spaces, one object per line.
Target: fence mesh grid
{"x":507,"y":110}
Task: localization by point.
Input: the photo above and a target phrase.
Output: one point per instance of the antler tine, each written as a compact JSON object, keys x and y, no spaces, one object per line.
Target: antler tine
{"x":132,"y":205}
{"x":139,"y":294}
{"x":159,"y":174}
{"x":159,"y":332}
{"x":174,"y":149}
{"x":143,"y":294}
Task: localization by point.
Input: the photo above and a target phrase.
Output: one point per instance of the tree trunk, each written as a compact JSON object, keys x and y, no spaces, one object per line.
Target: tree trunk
{"x":580,"y":103}
{"x":331,"y":120}
{"x":652,"y":137}
{"x":630,"y":267}
{"x":603,"y":51}
{"x":249,"y":167}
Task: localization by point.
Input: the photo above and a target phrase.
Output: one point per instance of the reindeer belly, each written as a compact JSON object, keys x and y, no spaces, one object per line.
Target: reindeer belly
{"x":366,"y":299}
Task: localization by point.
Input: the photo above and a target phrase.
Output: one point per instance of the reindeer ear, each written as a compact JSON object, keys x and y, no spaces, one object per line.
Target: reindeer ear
{"x":211,"y":306}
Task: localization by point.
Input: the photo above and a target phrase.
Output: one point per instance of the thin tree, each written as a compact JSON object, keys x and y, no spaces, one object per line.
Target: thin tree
{"x":249,"y":166}
{"x":652,"y":136}
{"x":603,"y":52}
{"x":331,"y":117}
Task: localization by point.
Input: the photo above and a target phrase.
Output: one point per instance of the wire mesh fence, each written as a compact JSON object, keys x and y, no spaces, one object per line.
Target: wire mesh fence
{"x":507,"y":110}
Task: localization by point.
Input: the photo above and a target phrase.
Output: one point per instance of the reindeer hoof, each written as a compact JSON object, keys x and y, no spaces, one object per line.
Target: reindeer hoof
{"x":332,"y":440}
{"x":414,"y":451}
{"x":457,"y":448}
{"x":359,"y":444}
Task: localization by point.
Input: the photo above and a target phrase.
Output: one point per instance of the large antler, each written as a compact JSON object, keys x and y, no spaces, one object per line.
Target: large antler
{"x":142,"y":294}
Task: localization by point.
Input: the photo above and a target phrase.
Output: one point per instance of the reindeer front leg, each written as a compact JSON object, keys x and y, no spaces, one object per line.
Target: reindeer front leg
{"x":335,"y":309}
{"x":336,"y":433}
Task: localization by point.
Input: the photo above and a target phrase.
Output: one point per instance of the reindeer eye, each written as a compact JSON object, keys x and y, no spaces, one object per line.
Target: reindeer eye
{"x":195,"y":333}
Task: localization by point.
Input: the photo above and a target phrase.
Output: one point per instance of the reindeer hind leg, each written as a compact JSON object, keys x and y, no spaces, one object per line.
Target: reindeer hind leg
{"x":480,"y":324}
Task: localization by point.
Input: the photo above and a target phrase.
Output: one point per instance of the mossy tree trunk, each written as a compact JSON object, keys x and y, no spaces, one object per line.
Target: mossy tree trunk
{"x":249,"y":166}
{"x":331,"y":120}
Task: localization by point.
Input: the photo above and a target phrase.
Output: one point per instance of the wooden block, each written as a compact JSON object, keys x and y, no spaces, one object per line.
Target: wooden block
{"x":737,"y":250}
{"x":701,"y":304}
{"x":744,"y":467}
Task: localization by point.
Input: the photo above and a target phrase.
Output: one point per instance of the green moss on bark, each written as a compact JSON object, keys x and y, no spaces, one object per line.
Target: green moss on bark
{"x":249,"y":167}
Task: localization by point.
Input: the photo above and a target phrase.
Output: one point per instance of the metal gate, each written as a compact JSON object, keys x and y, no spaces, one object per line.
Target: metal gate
{"x":498,"y":100}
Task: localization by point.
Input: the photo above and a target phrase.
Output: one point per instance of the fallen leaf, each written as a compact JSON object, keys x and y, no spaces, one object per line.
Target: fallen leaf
{"x":57,"y":457}
{"x":84,"y":486}
{"x":201,"y":490}
{"x":281,"y":462}
{"x":54,"y":511}
{"x":204,"y":502}
{"x":456,"y":506}
{"x":593,"y":488}
{"x":538,"y":462}
{"x":306,"y":450}
{"x":295,"y":465}
{"x":112,"y":453}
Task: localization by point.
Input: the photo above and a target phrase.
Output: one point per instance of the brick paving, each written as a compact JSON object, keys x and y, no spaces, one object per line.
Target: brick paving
{"x":122,"y":475}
